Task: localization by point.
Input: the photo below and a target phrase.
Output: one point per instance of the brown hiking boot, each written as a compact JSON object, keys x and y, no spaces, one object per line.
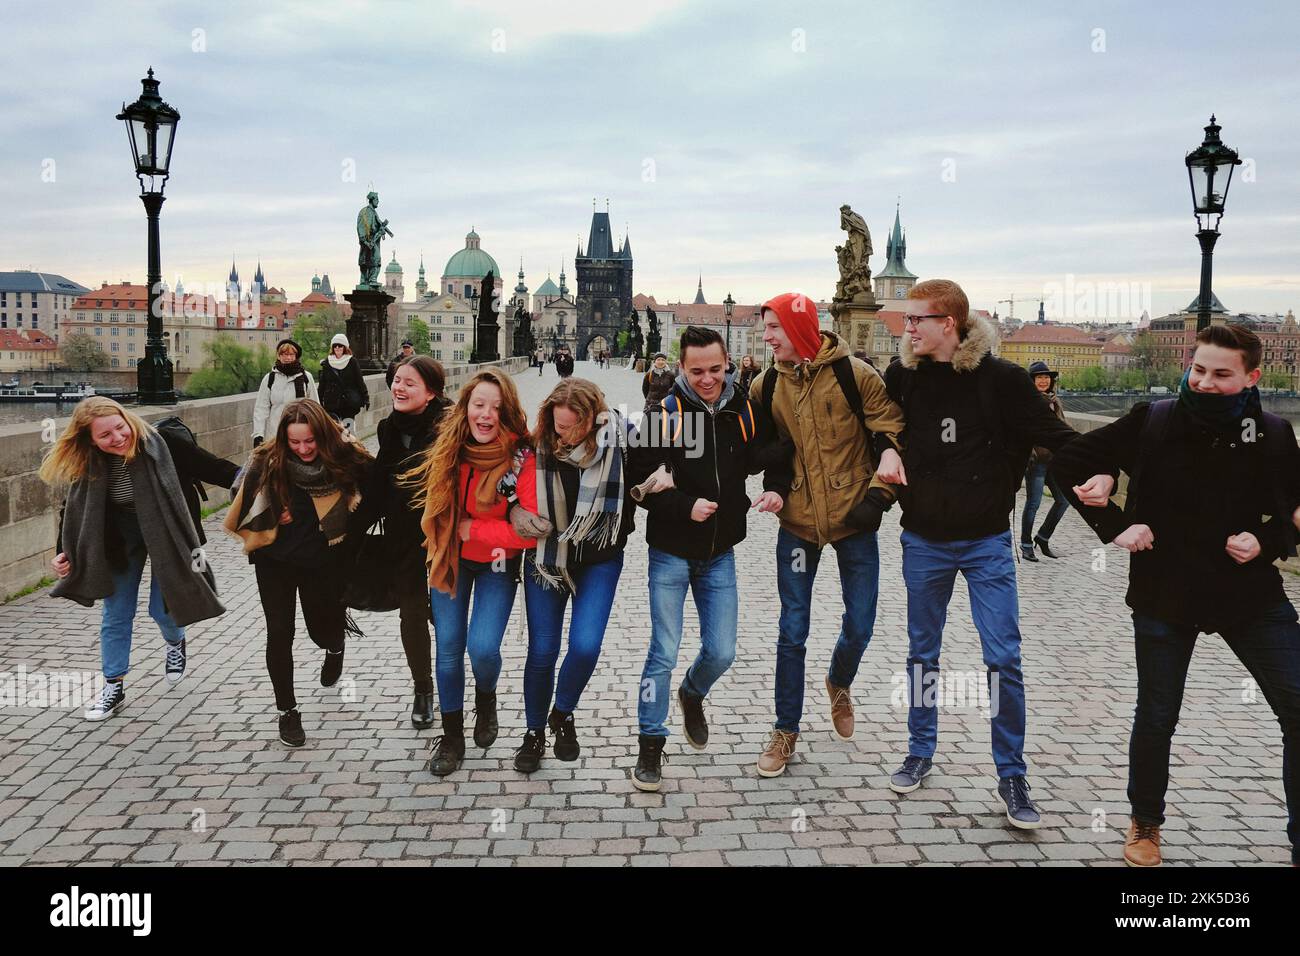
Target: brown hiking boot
{"x":780,"y":748}
{"x":1142,"y":845}
{"x":841,"y":710}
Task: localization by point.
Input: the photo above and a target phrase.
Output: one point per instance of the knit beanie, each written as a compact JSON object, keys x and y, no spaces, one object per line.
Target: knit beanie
{"x":340,"y":339}
{"x":798,"y":316}
{"x":283,"y":342}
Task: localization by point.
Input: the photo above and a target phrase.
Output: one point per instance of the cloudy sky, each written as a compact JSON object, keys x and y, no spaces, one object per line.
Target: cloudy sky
{"x":1033,"y":147}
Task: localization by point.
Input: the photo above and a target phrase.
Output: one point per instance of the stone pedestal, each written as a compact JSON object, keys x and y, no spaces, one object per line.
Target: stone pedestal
{"x":368,"y":328}
{"x":855,"y":322}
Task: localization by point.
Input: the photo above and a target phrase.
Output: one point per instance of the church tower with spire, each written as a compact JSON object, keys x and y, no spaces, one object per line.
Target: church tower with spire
{"x":421,"y":285}
{"x":232,"y":291}
{"x":893,"y":281}
{"x":604,"y":298}
{"x":699,"y":292}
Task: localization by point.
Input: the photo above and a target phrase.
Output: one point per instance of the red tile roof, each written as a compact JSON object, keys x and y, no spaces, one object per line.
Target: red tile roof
{"x":1051,"y":333}
{"x":14,"y":340}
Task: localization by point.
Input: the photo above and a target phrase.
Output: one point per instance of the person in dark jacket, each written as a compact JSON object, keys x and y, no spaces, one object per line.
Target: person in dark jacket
{"x":292,"y":513}
{"x":1202,"y":554}
{"x":563,"y":362}
{"x":585,"y":512}
{"x":971,"y":421}
{"x":408,"y":350}
{"x":658,"y":382}
{"x":404,"y":436}
{"x":1036,"y":475}
{"x":708,"y":436}
{"x":341,"y":387}
{"x":125,"y":483}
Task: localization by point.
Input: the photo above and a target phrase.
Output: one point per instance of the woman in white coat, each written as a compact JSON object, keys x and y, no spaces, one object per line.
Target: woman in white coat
{"x":287,"y":382}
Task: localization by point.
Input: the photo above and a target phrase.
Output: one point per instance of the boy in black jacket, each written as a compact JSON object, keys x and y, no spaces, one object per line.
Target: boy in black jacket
{"x":709,"y":437}
{"x":1204,"y":471}
{"x":972,"y":419}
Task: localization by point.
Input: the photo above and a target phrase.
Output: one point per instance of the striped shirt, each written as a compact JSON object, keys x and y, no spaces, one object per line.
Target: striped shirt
{"x":119,"y":483}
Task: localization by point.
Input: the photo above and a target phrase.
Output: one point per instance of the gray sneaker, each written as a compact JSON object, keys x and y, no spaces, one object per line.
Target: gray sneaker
{"x":1021,"y":812}
{"x":908,"y":777}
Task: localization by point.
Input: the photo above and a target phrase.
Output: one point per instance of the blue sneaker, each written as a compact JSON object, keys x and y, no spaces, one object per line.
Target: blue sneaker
{"x":908,"y":777}
{"x":1021,"y":812}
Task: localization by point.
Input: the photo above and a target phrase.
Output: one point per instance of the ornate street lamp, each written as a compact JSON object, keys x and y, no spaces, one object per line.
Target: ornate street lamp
{"x":728,"y":306}
{"x":473,"y":317}
{"x":151,"y":129}
{"x":1209,"y":170}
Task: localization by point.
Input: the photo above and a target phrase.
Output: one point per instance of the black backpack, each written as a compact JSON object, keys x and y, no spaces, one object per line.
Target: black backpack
{"x":179,"y":431}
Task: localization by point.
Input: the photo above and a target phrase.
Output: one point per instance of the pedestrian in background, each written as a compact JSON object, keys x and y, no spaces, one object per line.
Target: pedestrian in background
{"x":1036,"y":475}
{"x":287,"y":382}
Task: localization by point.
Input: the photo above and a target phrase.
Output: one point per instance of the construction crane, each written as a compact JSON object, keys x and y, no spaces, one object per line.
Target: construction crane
{"x":1011,"y":312}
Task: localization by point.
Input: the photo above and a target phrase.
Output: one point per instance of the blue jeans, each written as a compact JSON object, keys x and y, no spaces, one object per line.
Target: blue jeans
{"x":1269,"y":646}
{"x":1035,"y":476}
{"x":119,"y":607}
{"x":713,"y":585}
{"x":796,"y":568}
{"x":595,"y":585}
{"x":455,"y":629}
{"x":929,"y":571}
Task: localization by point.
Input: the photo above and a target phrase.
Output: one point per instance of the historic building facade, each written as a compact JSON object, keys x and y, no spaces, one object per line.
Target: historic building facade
{"x":604,"y":300}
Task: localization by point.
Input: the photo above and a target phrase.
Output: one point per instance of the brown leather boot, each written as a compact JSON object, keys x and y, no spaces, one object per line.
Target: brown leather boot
{"x":780,"y":748}
{"x":1142,"y":845}
{"x":841,"y":710}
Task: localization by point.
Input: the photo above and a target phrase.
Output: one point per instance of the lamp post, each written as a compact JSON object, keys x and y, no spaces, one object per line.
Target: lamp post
{"x":473,"y":317}
{"x":728,"y":306}
{"x":151,"y":129}
{"x":1209,"y":170}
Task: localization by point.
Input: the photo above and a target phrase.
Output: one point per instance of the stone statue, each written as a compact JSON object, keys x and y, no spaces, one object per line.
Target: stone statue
{"x":370,"y":233}
{"x":855,"y":273}
{"x":635,"y":341}
{"x":652,"y":340}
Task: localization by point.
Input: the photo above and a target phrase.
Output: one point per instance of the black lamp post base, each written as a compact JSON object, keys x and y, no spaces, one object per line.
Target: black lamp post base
{"x":154,"y":382}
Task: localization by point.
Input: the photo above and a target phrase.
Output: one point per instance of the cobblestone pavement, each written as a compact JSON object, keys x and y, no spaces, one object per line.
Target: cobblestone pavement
{"x":196,"y":774}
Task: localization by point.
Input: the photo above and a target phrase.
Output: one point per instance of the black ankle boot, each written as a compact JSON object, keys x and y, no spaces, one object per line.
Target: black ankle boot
{"x":529,"y":755}
{"x":332,"y":668}
{"x":422,"y":710}
{"x":449,"y":749}
{"x":647,"y":774}
{"x":485,"y":718}
{"x":566,"y":735}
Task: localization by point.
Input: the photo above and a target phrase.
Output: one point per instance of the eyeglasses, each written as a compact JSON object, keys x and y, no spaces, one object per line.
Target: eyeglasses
{"x":915,"y":320}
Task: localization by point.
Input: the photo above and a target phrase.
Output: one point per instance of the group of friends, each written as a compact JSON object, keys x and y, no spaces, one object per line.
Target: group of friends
{"x":473,"y":503}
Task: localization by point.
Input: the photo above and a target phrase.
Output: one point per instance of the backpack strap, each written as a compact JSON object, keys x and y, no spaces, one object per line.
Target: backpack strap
{"x":769,"y":389}
{"x":843,"y":369}
{"x":671,"y":419}
{"x":746,"y":416}
{"x":1150,"y":441}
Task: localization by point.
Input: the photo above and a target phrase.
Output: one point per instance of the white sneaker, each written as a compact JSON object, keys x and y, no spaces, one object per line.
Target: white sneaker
{"x":175,"y":661}
{"x":111,"y":699}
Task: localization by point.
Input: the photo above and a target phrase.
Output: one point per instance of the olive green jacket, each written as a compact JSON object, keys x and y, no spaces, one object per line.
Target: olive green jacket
{"x":832,"y":465}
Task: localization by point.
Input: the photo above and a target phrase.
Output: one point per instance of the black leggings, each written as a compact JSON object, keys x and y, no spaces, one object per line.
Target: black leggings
{"x":277,"y":584}
{"x":414,"y":613}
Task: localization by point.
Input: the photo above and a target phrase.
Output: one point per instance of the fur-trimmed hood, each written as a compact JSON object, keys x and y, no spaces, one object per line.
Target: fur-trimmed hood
{"x":981,"y":338}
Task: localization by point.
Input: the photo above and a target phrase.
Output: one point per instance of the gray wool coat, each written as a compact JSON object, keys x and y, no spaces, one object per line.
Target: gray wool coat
{"x":189,"y":588}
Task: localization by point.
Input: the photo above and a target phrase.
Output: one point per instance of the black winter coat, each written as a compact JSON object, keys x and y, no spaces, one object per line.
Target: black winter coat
{"x":342,"y":393}
{"x":399,"y":450}
{"x":717,"y":473}
{"x":1200,"y":488}
{"x":971,"y":425}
